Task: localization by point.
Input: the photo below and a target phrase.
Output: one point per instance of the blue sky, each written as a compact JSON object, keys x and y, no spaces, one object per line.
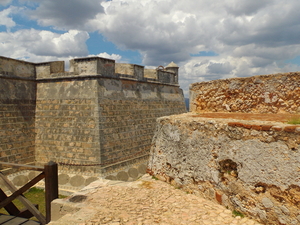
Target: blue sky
{"x":231,"y":38}
{"x":97,"y":44}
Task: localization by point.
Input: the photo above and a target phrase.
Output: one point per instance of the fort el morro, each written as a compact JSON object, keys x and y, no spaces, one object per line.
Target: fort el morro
{"x":118,"y":121}
{"x":96,"y":119}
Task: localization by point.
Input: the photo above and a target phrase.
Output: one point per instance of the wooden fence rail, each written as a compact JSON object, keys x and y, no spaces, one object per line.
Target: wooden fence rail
{"x":49,"y":172}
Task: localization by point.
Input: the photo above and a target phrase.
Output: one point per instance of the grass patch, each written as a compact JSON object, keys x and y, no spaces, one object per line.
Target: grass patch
{"x":35,"y":196}
{"x":295,"y":120}
{"x":155,"y":178}
{"x":237,"y":213}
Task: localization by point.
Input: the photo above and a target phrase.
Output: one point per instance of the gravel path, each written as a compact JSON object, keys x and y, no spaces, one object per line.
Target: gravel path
{"x":148,"y":201}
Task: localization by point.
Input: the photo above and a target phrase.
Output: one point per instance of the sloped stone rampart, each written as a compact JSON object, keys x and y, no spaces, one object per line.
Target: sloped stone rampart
{"x":276,"y":93}
{"x":251,"y":166}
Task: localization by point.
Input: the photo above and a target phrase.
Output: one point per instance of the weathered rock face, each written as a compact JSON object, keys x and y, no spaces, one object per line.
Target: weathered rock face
{"x":255,"y":171}
{"x":259,"y":94}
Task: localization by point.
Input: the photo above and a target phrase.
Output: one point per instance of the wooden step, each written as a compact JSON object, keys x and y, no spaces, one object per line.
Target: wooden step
{"x":13,"y":220}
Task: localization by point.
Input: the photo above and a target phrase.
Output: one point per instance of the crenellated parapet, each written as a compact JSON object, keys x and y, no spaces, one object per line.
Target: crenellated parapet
{"x":12,"y":68}
{"x":130,"y":71}
{"x":44,"y":70}
{"x":88,"y":67}
{"x":92,"y":66}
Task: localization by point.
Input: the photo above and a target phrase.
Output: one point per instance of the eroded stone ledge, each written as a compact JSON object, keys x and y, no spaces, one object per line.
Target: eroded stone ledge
{"x":251,"y":166}
{"x":274,"y":93}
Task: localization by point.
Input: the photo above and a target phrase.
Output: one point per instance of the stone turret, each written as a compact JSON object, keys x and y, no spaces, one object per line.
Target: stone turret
{"x":173,"y":67}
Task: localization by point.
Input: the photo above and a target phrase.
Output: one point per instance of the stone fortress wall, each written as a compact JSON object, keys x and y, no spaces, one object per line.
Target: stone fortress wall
{"x":17,"y":111}
{"x":96,"y":120}
{"x":228,"y":151}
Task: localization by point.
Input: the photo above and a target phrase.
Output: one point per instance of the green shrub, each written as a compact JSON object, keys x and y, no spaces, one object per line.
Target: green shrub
{"x":294,"y":120}
{"x":237,"y":213}
{"x":155,"y":178}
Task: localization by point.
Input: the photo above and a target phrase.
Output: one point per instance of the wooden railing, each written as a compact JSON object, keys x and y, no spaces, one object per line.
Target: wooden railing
{"x":49,"y":172}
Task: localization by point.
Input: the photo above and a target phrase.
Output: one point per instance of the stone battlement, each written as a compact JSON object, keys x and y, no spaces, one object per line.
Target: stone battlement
{"x":91,"y":66}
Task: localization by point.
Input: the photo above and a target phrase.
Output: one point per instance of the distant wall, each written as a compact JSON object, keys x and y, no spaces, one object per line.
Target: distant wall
{"x":17,"y":111}
{"x":277,"y":93}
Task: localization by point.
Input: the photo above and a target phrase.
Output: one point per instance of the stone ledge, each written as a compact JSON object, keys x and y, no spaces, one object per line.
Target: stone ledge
{"x":290,"y":129}
{"x":245,"y":164}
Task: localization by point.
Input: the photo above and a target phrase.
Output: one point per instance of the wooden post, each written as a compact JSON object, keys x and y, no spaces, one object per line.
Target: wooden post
{"x":51,"y":186}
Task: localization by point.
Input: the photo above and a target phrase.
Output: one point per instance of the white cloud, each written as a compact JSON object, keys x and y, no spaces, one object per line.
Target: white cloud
{"x":5,"y":20}
{"x":171,"y":30}
{"x":67,"y":44}
{"x":32,"y":44}
{"x":165,"y":30}
{"x":115,"y":57}
{"x":66,"y":14}
{"x":43,"y":46}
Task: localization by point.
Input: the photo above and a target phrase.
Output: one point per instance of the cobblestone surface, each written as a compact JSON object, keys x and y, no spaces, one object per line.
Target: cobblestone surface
{"x":148,"y":201}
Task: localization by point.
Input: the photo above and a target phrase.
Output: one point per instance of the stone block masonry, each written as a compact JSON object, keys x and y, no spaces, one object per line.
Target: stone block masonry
{"x":17,"y":111}
{"x":99,"y":114}
{"x":66,"y":122}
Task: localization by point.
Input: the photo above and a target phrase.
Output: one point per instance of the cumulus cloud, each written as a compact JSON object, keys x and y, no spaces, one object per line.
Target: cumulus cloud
{"x":244,"y":7}
{"x":219,"y":68}
{"x":115,"y":57}
{"x":67,"y":44}
{"x":172,"y":30}
{"x":43,"y":46}
{"x":5,"y":18}
{"x":66,"y":14}
{"x":160,"y":30}
{"x":33,"y":43}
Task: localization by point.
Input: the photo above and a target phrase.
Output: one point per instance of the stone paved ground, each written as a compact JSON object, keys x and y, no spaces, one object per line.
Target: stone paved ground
{"x":147,"y":201}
